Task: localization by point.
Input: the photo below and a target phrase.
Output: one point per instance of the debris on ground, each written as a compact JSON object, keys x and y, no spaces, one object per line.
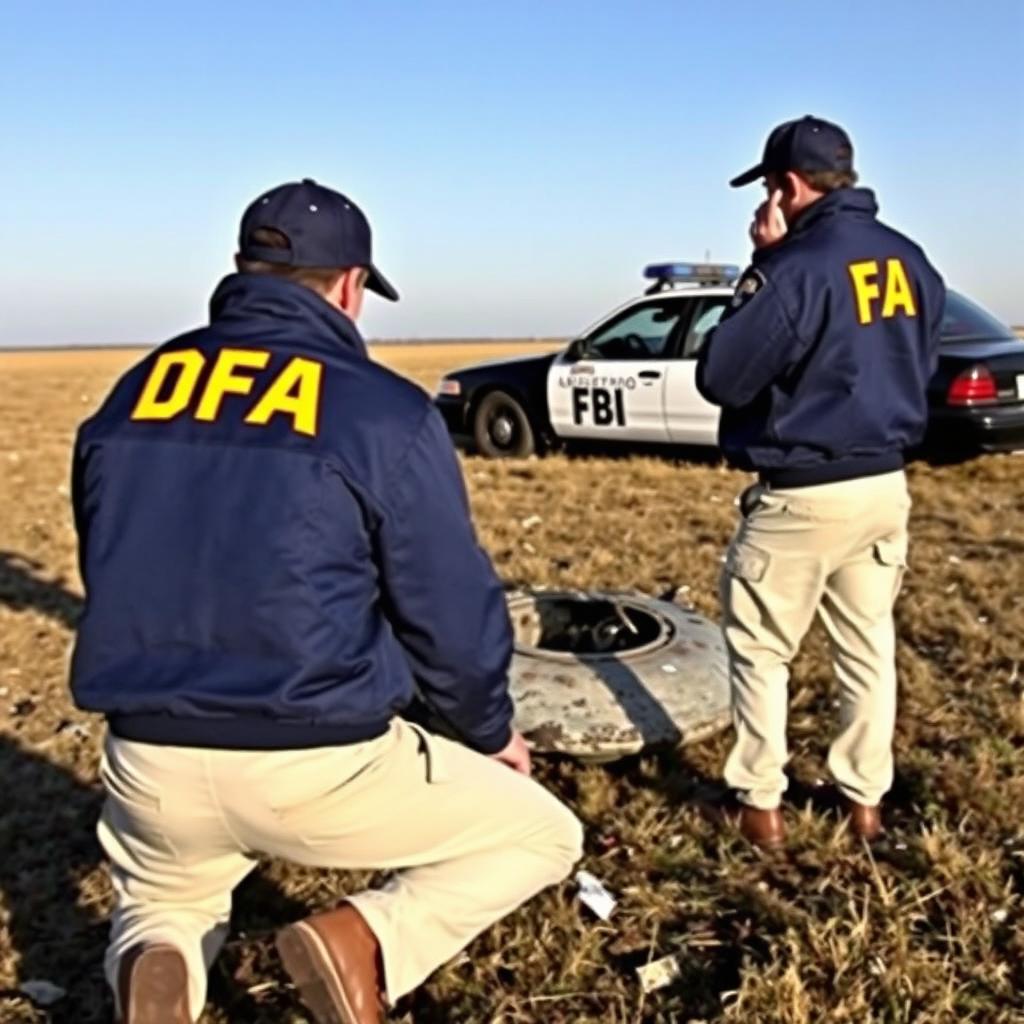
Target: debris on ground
{"x":77,"y":729}
{"x":42,"y":992}
{"x":658,"y":973}
{"x":594,"y":895}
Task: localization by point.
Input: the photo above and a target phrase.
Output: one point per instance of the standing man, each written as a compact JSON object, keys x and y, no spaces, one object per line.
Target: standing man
{"x":277,"y":553}
{"x":820,"y":367}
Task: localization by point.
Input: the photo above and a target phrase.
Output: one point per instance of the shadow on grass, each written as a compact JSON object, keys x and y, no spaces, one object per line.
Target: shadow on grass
{"x":48,"y":846}
{"x":47,"y":839}
{"x":22,"y":587}
{"x":702,"y":455}
{"x":246,"y":982}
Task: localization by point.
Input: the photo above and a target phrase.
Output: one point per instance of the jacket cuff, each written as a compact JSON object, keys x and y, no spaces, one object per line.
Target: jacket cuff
{"x":491,"y":742}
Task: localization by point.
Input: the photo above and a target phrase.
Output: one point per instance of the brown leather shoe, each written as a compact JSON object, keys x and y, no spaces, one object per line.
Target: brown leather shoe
{"x":865,"y":821}
{"x":152,"y":986}
{"x":334,"y":961}
{"x":765,"y":829}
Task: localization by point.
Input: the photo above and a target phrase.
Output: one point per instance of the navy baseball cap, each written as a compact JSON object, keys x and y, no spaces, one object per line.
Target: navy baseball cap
{"x":323,"y":228}
{"x":806,"y":144}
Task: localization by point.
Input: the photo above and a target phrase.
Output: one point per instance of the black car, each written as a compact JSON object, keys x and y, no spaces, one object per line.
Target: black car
{"x":630,"y":379}
{"x":976,"y":398}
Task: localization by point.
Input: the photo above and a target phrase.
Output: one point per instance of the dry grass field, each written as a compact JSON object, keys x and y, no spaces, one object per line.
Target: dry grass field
{"x":927,"y":928}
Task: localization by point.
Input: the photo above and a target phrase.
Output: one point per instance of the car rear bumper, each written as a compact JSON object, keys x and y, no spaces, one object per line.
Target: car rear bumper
{"x":992,"y":428}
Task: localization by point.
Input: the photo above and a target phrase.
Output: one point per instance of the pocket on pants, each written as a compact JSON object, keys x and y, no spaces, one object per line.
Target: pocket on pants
{"x":892,"y":551}
{"x":750,"y":499}
{"x":747,"y":562}
{"x":311,"y":787}
{"x":433,"y":751}
{"x":125,"y":786}
{"x":132,"y":816}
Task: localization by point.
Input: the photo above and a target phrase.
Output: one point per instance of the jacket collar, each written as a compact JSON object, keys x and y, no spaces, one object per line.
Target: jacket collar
{"x":857,"y":201}
{"x":265,"y":297}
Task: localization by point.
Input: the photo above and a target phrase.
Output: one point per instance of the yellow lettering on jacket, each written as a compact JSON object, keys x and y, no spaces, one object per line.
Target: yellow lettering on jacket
{"x":223,"y":379}
{"x":152,"y":403}
{"x":295,"y":393}
{"x":172,"y":388}
{"x":897,"y":290}
{"x":867,"y":289}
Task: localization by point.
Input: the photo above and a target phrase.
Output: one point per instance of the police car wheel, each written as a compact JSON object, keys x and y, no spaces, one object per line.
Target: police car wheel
{"x":501,"y":428}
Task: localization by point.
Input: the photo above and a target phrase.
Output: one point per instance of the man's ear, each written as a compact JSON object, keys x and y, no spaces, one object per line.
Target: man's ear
{"x":349,"y":291}
{"x":792,"y":184}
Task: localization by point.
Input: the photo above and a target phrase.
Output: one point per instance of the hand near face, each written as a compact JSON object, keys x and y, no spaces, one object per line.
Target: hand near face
{"x":768,"y":225}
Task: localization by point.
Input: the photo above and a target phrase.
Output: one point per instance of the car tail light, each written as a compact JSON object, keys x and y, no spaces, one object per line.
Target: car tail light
{"x":975,"y":386}
{"x":449,"y":387}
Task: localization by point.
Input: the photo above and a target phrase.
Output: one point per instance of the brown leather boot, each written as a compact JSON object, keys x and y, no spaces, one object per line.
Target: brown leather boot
{"x":334,"y":961}
{"x":765,"y":829}
{"x":152,"y":985}
{"x":865,"y":821}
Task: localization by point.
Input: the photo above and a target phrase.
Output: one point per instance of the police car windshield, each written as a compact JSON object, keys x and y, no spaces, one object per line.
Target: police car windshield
{"x":963,"y":321}
{"x":643,"y":332}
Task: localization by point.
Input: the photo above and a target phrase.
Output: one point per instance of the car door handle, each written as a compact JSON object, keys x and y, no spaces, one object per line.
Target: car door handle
{"x":649,"y":374}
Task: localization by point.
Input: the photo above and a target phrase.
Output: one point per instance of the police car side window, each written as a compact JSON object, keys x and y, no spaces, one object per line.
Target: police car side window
{"x":642,"y":333}
{"x":709,"y":312}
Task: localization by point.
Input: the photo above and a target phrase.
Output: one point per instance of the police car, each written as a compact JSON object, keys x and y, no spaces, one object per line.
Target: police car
{"x":631,"y":378}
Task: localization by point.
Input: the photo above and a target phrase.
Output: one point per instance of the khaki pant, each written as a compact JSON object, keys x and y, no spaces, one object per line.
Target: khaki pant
{"x":471,"y":840}
{"x":838,"y":550}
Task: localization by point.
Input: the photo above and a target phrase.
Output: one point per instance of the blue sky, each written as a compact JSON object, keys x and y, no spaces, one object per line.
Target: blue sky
{"x":520,"y":161}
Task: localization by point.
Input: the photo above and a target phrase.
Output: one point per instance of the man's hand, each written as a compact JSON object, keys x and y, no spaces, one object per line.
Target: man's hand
{"x":768,"y":225}
{"x":516,"y":754}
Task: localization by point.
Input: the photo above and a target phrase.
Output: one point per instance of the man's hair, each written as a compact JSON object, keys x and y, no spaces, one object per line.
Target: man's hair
{"x":319,"y":279}
{"x":829,"y":181}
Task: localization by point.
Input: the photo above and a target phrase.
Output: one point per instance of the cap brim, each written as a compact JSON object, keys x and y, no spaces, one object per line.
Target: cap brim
{"x":748,"y":176}
{"x":378,"y":283}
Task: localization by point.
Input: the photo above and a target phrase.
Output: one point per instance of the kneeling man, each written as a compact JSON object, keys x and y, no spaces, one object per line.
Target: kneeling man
{"x":277,"y":553}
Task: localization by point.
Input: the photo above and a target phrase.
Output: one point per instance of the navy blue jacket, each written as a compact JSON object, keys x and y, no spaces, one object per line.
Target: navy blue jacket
{"x":276,"y":544}
{"x":822,"y":361}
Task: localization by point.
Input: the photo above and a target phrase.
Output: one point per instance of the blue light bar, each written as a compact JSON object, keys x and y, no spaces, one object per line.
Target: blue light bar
{"x":692,"y":271}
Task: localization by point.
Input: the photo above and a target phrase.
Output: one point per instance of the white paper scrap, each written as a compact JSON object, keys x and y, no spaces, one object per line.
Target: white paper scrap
{"x":42,"y":992}
{"x":594,"y":895}
{"x":658,"y":973}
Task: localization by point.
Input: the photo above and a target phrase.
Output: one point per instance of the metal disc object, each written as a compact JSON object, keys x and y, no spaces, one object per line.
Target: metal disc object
{"x":601,"y":675}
